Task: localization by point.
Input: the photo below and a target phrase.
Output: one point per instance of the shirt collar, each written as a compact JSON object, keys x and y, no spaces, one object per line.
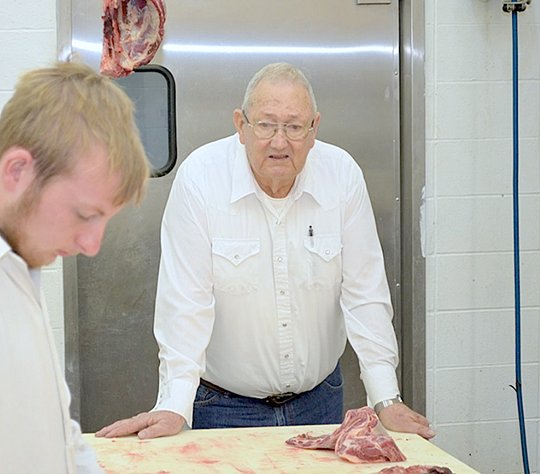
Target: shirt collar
{"x":4,"y":247}
{"x":308,"y":183}
{"x":5,"y":250}
{"x":244,"y":184}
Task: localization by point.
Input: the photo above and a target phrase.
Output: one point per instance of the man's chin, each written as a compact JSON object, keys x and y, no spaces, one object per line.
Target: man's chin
{"x":35,"y":261}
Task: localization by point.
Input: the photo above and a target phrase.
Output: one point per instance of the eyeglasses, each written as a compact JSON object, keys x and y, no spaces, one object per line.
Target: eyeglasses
{"x":267,"y":130}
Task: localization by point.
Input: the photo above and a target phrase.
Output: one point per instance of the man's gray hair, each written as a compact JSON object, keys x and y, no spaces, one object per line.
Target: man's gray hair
{"x":276,"y":72}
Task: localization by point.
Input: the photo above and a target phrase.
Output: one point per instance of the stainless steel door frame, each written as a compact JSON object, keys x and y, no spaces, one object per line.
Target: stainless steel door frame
{"x":111,"y":359}
{"x":413,"y":268}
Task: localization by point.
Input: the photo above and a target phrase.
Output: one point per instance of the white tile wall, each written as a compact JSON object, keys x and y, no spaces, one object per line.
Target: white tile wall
{"x":470,"y":292}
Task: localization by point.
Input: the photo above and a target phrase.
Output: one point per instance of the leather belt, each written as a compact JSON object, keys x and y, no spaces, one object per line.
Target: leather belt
{"x":272,"y":400}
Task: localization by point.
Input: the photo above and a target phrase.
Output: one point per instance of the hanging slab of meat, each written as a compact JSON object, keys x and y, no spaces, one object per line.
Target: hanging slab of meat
{"x":132,"y":33}
{"x":359,"y":439}
{"x":416,"y":470}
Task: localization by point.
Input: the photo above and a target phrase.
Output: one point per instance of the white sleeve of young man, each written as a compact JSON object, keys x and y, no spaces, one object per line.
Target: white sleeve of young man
{"x":85,"y":457}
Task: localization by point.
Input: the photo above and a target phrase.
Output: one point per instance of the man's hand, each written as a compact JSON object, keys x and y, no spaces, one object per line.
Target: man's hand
{"x":147,"y":425}
{"x":399,"y":417}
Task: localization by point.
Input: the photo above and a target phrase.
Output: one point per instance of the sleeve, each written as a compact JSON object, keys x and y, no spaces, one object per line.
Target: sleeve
{"x":365,"y":297}
{"x":184,"y":312}
{"x":85,"y":458}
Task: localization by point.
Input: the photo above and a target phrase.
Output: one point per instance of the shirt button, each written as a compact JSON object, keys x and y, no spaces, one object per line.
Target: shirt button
{"x":327,"y":252}
{"x":286,"y":356}
{"x":280,"y":259}
{"x":281,"y":292}
{"x":284,"y":325}
{"x":288,"y":385}
{"x":236,"y":257}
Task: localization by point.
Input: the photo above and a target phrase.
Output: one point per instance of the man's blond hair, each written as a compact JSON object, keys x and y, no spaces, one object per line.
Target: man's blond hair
{"x":58,"y":113}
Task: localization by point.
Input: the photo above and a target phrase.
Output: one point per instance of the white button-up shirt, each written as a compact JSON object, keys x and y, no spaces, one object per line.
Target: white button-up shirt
{"x":260,"y":297}
{"x":37,"y":434}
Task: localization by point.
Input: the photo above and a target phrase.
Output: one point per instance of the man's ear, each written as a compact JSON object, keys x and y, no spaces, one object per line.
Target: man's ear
{"x":313,"y":135}
{"x":16,"y":170}
{"x":239,"y":121}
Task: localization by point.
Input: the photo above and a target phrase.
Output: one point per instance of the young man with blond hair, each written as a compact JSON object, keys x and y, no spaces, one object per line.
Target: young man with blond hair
{"x":70,"y":158}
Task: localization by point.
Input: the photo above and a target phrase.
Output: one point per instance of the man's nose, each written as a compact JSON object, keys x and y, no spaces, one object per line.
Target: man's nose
{"x":280,"y":139}
{"x":89,"y":241}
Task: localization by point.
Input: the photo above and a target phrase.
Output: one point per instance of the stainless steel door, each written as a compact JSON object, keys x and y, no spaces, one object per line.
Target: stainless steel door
{"x":350,"y":52}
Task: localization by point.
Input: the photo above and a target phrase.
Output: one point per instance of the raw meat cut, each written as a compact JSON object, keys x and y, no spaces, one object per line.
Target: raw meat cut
{"x":361,"y":421}
{"x":416,"y":470}
{"x":369,"y":448}
{"x":132,"y":33}
{"x":359,"y":439}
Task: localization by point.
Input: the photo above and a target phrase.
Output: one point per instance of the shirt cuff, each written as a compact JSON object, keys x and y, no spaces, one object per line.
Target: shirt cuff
{"x":380,"y":383}
{"x":177,"y":396}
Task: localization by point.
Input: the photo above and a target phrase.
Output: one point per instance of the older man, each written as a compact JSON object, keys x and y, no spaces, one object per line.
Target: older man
{"x":270,"y":261}
{"x":70,"y":158}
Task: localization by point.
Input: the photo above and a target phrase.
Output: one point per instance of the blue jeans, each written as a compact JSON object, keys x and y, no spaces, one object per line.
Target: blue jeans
{"x":322,"y":405}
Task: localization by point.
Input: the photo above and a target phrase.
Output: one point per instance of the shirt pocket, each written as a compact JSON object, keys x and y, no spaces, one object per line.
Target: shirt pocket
{"x":323,"y":263}
{"x":235,"y":263}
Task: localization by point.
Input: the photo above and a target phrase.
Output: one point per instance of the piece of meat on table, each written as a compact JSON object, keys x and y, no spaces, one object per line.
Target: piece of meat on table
{"x":359,"y":422}
{"x":359,"y":439}
{"x":417,"y":469}
{"x":132,"y":33}
{"x":369,"y":448}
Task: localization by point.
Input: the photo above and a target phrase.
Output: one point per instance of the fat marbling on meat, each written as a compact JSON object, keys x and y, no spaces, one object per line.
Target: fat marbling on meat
{"x":359,"y":439}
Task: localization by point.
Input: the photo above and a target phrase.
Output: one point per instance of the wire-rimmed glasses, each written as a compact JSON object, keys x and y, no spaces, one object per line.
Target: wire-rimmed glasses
{"x":266,"y":130}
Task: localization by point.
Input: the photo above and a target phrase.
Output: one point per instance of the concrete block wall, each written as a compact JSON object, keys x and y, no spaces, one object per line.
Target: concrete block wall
{"x":470,"y":320}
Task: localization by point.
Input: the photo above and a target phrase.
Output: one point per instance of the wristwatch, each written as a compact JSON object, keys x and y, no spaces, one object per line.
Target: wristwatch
{"x":386,"y":403}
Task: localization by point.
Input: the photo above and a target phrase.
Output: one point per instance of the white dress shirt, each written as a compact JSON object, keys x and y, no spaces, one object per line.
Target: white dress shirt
{"x":249,"y":300}
{"x":37,"y":434}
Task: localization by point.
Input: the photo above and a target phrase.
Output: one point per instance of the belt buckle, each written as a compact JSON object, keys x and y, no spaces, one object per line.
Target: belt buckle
{"x":277,"y":400}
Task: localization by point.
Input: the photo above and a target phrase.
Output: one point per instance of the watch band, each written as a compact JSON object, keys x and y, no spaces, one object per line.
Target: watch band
{"x":386,"y":403}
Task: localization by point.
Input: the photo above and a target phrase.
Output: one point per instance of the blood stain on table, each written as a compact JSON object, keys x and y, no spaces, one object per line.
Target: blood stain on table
{"x":207,"y":461}
{"x":135,"y":456}
{"x":190,"y":448}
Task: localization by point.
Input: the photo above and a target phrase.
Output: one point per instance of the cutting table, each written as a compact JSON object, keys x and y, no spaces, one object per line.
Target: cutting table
{"x":250,"y":451}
